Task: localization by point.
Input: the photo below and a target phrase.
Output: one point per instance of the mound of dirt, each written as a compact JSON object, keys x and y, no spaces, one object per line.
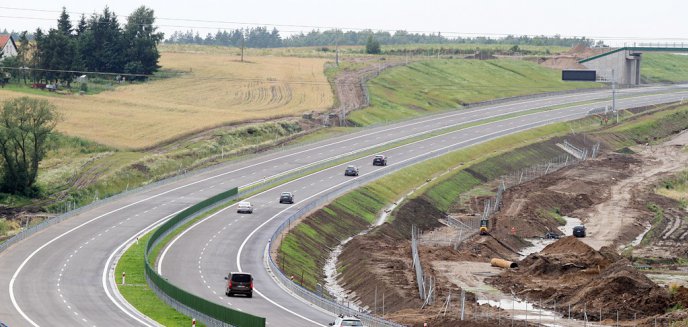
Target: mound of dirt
{"x":589,"y":281}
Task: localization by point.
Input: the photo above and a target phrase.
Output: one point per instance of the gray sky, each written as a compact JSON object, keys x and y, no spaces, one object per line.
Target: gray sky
{"x":616,"y":21}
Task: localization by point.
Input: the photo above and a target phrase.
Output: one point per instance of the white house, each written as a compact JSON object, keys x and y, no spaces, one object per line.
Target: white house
{"x":9,"y":48}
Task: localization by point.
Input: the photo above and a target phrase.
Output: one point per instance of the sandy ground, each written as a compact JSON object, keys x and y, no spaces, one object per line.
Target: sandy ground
{"x":607,"y":220}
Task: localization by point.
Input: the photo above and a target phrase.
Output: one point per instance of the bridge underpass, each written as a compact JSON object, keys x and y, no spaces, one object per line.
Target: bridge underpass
{"x":623,"y":64}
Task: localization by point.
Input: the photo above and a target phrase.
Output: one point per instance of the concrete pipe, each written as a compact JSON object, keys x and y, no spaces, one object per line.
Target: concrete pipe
{"x":503,"y":263}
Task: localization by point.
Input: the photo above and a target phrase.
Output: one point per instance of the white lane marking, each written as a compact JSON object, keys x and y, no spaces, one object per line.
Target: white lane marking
{"x":444,"y":117}
{"x":112,"y":255}
{"x":243,"y":244}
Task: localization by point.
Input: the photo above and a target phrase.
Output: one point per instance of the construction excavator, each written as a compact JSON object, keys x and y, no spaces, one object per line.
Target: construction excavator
{"x":484,"y":226}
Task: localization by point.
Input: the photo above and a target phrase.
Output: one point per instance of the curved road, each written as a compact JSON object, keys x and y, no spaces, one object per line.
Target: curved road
{"x":59,"y":276}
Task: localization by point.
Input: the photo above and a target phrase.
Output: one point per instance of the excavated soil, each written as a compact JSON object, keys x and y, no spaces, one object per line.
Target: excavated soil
{"x":572,"y":273}
{"x":609,"y":194}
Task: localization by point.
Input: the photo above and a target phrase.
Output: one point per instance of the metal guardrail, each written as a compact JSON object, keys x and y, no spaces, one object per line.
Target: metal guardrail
{"x":321,"y":300}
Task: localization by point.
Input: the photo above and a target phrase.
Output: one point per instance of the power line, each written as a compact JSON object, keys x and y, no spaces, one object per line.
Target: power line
{"x":452,"y":33}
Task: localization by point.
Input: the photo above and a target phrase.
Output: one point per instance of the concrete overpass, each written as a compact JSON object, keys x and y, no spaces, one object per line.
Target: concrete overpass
{"x":623,"y":64}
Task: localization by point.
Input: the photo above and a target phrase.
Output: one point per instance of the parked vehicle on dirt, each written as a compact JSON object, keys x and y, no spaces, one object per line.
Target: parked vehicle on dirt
{"x":244,"y":207}
{"x":239,"y":283}
{"x":287,"y":197}
{"x":551,"y":236}
{"x":579,"y":231}
{"x":347,"y":321}
{"x":351,"y":171}
{"x":380,"y":160}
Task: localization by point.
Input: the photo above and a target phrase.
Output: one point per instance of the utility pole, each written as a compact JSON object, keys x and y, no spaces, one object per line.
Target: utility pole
{"x":336,"y":47}
{"x":243,"y":39}
{"x":614,"y":96}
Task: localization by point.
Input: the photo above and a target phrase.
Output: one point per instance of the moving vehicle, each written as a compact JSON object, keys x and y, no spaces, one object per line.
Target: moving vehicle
{"x":380,"y":160}
{"x":239,"y":283}
{"x":244,"y":207}
{"x":287,"y":197}
{"x":579,"y":231}
{"x":351,"y":170}
{"x":344,"y":321}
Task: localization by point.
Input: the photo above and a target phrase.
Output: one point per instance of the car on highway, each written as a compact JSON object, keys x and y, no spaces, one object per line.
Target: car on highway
{"x":579,"y":231}
{"x":239,"y":283}
{"x":244,"y":207}
{"x":346,"y":321}
{"x":379,"y":160}
{"x":351,"y":170}
{"x":287,"y":197}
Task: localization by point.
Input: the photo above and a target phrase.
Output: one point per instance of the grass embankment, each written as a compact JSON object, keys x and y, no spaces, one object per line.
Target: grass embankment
{"x":664,"y":68}
{"x":306,"y":247}
{"x":647,"y":128}
{"x":434,"y":85}
{"x":137,"y":292}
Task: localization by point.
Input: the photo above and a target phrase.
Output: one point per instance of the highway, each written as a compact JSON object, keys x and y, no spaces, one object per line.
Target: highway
{"x":59,"y":276}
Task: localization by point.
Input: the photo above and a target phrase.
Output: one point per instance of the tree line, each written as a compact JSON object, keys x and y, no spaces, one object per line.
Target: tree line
{"x":95,"y":44}
{"x":261,"y":37}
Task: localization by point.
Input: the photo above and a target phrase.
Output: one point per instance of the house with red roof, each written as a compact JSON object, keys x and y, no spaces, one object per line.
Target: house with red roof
{"x":9,"y":48}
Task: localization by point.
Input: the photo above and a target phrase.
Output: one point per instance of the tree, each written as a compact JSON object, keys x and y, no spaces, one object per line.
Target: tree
{"x":142,"y":42}
{"x":25,"y":126}
{"x":63,"y":24}
{"x":372,"y":46}
{"x":23,"y":53}
{"x":82,"y":26}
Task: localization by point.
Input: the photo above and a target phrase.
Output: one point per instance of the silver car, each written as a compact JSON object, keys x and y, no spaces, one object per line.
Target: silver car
{"x":244,"y":207}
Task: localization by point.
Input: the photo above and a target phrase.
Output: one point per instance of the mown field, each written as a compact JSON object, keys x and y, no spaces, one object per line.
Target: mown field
{"x":664,"y":67}
{"x":434,"y":85}
{"x":215,"y":89}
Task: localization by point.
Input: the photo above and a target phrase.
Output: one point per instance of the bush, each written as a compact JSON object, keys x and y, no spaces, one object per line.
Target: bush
{"x":83,"y":87}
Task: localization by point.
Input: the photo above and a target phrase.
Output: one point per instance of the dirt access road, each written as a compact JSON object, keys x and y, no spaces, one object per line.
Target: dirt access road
{"x":609,"y":222}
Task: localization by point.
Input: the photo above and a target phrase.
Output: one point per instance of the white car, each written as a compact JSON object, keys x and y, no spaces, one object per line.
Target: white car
{"x":244,"y":207}
{"x":346,"y":322}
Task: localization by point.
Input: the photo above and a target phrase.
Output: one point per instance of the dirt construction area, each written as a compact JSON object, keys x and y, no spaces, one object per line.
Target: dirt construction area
{"x":628,"y":270}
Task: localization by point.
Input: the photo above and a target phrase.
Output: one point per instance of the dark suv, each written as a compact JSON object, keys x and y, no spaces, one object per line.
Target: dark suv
{"x":239,"y":283}
{"x":351,"y":171}
{"x":379,"y":160}
{"x":579,"y":231}
{"x":287,"y":197}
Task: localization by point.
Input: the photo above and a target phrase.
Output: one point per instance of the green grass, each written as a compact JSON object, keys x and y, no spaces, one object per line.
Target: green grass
{"x":431,"y":86}
{"x":647,"y":128}
{"x":304,"y":250}
{"x":137,"y":292}
{"x":664,"y":67}
{"x":470,"y":47}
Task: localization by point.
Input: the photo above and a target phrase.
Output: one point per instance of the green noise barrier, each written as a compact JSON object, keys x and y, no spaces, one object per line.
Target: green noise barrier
{"x":193,"y":302}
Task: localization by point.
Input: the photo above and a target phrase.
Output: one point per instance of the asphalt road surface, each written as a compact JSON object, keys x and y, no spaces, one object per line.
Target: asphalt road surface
{"x":60,"y":276}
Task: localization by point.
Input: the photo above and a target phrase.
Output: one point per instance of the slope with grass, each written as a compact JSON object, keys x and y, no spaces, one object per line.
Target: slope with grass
{"x":429,"y":86}
{"x":664,"y":68}
{"x":305,"y":248}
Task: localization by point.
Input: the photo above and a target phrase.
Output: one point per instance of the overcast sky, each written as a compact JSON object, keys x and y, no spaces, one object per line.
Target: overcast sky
{"x":616,"y":20}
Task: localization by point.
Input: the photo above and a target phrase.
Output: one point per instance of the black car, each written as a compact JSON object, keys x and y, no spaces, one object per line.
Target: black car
{"x":287,"y":197}
{"x":239,"y":283}
{"x":551,"y":236}
{"x":379,"y":160}
{"x":351,"y":171}
{"x":579,"y":231}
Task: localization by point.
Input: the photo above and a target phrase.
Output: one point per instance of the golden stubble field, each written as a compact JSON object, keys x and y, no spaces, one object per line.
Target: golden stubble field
{"x":217,"y":89}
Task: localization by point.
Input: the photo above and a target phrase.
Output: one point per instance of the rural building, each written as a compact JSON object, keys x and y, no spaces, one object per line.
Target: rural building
{"x":9,"y":48}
